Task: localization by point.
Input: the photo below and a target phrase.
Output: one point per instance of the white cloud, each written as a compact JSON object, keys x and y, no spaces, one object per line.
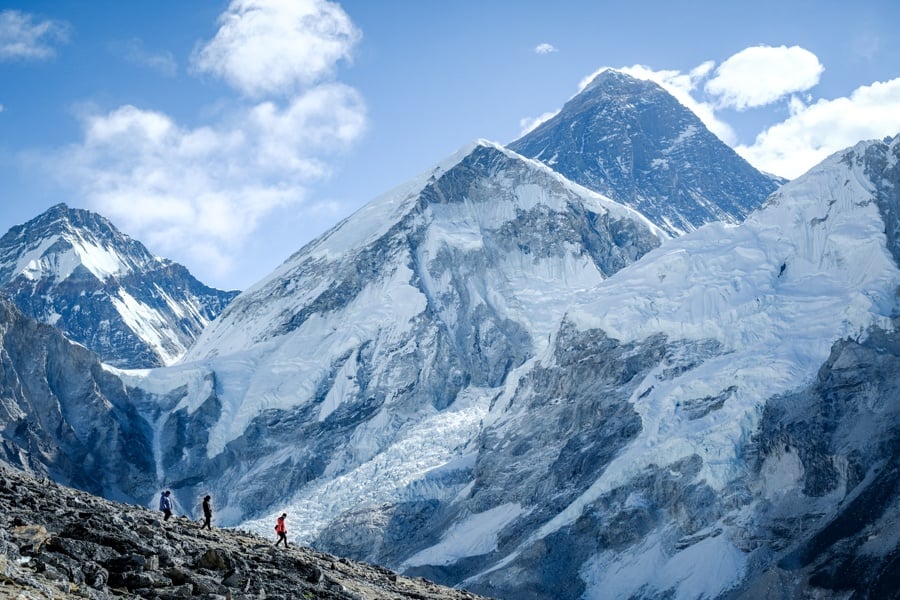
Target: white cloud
{"x":812,"y":132}
{"x":275,"y":47}
{"x":24,"y":37}
{"x":2,"y":108}
{"x":133,"y":51}
{"x":200,"y":192}
{"x":531,"y":123}
{"x":761,"y":75}
{"x":545,"y":48}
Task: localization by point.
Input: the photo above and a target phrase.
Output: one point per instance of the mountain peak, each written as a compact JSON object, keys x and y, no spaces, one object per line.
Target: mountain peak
{"x":52,"y":263}
{"x":62,"y":219}
{"x":63,"y":240}
{"x":629,"y":139}
{"x":614,"y":80}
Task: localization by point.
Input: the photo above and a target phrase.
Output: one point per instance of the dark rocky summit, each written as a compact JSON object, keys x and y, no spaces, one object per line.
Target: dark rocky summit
{"x":633,"y":141}
{"x":57,"y":542}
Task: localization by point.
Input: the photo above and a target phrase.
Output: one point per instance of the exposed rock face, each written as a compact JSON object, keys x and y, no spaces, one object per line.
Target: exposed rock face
{"x":632,"y":141}
{"x":718,"y":420}
{"x":56,"y":542}
{"x":837,"y":527}
{"x":64,"y":416}
{"x":73,"y":269}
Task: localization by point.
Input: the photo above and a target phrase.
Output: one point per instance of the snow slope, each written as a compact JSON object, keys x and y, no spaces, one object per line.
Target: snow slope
{"x":257,"y":314}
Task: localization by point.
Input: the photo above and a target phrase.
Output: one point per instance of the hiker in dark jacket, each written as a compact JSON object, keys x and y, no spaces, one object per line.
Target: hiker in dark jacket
{"x":281,"y":530}
{"x":207,"y":513}
{"x":165,"y":504}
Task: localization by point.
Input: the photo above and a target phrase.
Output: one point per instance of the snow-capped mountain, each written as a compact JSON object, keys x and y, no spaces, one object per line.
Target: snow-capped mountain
{"x":440,"y":386}
{"x":411,"y":312}
{"x":73,"y":269}
{"x":720,"y":417}
{"x":631,"y":140}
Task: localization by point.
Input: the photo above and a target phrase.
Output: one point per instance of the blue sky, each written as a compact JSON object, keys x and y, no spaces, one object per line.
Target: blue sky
{"x":225,"y":135}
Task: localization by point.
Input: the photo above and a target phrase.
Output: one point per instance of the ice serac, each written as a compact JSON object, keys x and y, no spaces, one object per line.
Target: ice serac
{"x":73,"y":269}
{"x":369,"y":357}
{"x":717,"y":420}
{"x":631,"y":140}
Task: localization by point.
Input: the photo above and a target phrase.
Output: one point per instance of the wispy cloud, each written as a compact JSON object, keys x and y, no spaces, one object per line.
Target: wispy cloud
{"x":271,"y":47}
{"x":545,"y":48}
{"x":25,"y":37}
{"x":135,"y":52}
{"x":761,"y":75}
{"x":199,"y":192}
{"x":531,"y":123}
{"x":866,"y":46}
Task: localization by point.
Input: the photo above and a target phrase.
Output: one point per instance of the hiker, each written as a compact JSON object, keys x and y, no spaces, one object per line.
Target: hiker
{"x":165,"y":504}
{"x":207,"y":513}
{"x":281,"y":530}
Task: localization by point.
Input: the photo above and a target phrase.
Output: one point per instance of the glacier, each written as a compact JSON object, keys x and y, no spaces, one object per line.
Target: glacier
{"x":767,"y":300}
{"x":377,"y":330}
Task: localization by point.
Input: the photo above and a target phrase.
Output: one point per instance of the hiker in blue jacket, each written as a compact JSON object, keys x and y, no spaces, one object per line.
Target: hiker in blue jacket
{"x":165,"y":504}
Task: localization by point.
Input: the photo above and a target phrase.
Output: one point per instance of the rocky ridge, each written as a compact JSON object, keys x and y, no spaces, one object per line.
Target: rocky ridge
{"x":65,"y":416}
{"x":57,"y":542}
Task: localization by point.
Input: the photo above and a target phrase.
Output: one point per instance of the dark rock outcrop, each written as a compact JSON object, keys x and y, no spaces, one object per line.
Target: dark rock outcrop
{"x":839,"y":533}
{"x":64,"y":416}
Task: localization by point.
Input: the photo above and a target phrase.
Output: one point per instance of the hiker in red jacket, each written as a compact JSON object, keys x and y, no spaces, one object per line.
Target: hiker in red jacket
{"x":281,"y":530}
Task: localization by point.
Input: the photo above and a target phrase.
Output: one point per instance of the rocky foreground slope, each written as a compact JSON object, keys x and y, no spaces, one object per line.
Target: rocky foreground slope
{"x":56,"y":542}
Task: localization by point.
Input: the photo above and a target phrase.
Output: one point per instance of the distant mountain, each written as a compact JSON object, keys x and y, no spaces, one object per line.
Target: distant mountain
{"x":73,"y":269}
{"x":631,"y":140}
